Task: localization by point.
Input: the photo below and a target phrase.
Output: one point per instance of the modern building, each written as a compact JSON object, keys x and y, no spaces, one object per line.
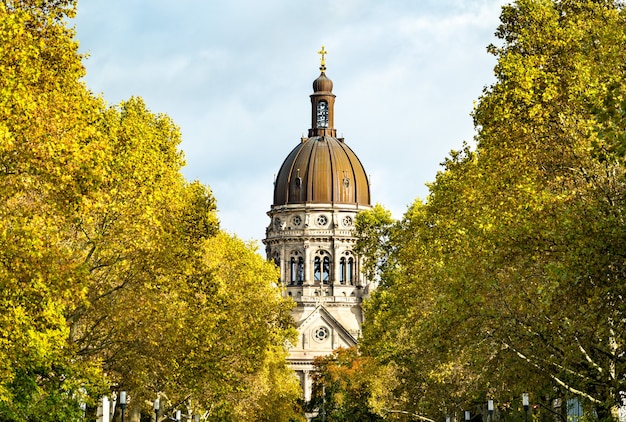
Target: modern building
{"x":318,"y":191}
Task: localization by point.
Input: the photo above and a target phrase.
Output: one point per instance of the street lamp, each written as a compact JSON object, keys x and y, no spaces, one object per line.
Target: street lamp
{"x":196,"y":418}
{"x":525,"y":404}
{"x":157,"y":405}
{"x":123,"y":403}
{"x":323,"y":402}
{"x":178,"y":416}
{"x":490,"y":409}
{"x":467,"y":416}
{"x":447,"y":418}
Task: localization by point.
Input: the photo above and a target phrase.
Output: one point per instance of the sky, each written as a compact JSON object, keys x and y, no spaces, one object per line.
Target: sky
{"x":236,"y":75}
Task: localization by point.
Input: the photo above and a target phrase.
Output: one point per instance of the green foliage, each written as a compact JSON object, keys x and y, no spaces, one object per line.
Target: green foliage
{"x":345,"y":387}
{"x":510,"y":276}
{"x":45,"y":145}
{"x":114,"y":273}
{"x":374,"y":230}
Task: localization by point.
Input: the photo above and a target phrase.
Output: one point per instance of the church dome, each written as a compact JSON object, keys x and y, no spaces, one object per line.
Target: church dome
{"x":322,"y":169}
{"x":322,"y":84}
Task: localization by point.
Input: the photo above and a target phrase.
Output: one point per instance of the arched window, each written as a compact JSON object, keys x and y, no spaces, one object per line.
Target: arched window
{"x":293,"y":270}
{"x":326,"y":270}
{"x":322,"y":114}
{"x":317,"y":269}
{"x":296,"y":268}
{"x":350,"y":271}
{"x":321,"y":267}
{"x":300,"y":278}
{"x":342,"y":270}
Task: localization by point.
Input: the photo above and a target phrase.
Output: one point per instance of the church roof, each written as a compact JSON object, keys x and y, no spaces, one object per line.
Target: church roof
{"x":322,"y":169}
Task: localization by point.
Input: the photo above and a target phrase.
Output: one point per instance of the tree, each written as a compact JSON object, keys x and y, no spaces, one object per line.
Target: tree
{"x":346,"y":387}
{"x":240,"y":323}
{"x":509,"y":275}
{"x":374,"y":228}
{"x":48,"y":157}
{"x":114,"y":274}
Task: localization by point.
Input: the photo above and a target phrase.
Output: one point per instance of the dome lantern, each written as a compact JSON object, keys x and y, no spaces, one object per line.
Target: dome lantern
{"x":322,"y":103}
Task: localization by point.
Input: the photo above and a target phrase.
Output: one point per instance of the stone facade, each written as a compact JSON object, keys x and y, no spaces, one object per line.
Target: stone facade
{"x":319,"y":189}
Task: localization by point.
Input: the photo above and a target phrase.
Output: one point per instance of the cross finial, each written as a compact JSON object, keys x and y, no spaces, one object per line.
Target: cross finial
{"x":322,"y":53}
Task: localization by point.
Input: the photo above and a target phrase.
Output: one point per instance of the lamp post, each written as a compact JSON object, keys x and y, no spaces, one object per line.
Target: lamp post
{"x":525,"y":404}
{"x":467,"y":416}
{"x":178,"y":416}
{"x":323,"y":403}
{"x":157,"y":405}
{"x":490,"y":409}
{"x":196,"y":418}
{"x":123,"y":403}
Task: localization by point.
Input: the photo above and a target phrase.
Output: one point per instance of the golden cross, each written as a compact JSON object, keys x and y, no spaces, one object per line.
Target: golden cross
{"x":322,"y":53}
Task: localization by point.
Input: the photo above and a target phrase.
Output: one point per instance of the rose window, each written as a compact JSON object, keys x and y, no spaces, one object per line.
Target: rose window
{"x":321,"y":333}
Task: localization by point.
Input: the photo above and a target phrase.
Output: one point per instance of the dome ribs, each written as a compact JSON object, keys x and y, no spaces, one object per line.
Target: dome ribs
{"x":328,"y":172}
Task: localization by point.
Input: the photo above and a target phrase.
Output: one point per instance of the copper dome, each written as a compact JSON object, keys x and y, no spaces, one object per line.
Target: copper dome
{"x":322,"y":169}
{"x":322,"y":84}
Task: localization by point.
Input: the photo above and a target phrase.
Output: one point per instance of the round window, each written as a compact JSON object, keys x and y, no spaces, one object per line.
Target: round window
{"x":321,"y":333}
{"x":322,"y":220}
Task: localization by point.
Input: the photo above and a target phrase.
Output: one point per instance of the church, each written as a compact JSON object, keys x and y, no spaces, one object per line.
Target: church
{"x":318,"y":191}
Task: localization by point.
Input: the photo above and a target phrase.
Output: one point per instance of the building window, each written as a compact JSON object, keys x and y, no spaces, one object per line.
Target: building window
{"x":300,"y":277}
{"x":296,"y":269}
{"x":326,"y":270}
{"x":293,"y":270}
{"x":322,"y":114}
{"x":342,"y":270}
{"x":317,"y":269}
{"x":350,"y":271}
{"x":321,"y":333}
{"x":321,"y":268}
{"x":347,"y":269}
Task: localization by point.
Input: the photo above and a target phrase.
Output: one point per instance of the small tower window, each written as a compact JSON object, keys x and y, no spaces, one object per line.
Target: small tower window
{"x":322,"y":114}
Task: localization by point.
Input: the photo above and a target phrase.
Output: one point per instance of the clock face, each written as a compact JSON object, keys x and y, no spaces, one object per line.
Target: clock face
{"x":322,"y":114}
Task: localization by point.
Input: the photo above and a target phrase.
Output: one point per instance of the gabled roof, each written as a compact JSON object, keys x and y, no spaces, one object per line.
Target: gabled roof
{"x":320,"y":312}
